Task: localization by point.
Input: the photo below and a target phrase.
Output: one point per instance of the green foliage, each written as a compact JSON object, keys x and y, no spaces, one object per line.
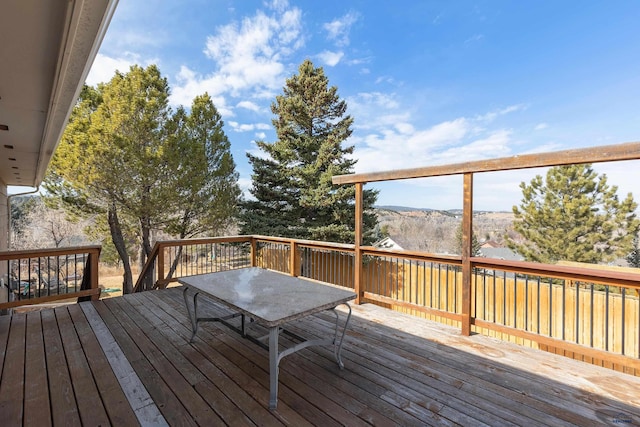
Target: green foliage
{"x":633,"y":258}
{"x":203,"y":182}
{"x":573,"y":215}
{"x":126,"y":156}
{"x":294,"y":195}
{"x":475,"y":244}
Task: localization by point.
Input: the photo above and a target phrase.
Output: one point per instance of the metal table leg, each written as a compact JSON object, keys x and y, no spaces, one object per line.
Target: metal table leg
{"x":274,"y":361}
{"x":275,"y":355}
{"x":193,"y":315}
{"x":337,"y":345}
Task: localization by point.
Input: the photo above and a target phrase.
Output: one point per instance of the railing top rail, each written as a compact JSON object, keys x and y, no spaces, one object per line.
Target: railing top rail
{"x":591,"y":275}
{"x":34,"y":253}
{"x":203,"y":240}
{"x":310,"y":243}
{"x":607,"y":153}
{"x":448,"y":259}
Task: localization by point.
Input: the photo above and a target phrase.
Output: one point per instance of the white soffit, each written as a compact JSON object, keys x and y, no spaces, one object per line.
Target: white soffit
{"x":47,"y":49}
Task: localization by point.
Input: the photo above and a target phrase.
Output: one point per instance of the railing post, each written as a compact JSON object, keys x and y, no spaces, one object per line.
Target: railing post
{"x":467,"y":243}
{"x":357,"y":283}
{"x":160,"y":282}
{"x":293,"y":258}
{"x":94,"y":273}
{"x":91,"y":272}
{"x":254,"y":251}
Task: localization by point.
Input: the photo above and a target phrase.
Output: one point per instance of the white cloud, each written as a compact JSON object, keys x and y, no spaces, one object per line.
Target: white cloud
{"x":386,"y":135}
{"x":492,"y":115}
{"x":261,"y":135}
{"x":541,"y":126}
{"x":248,"y":105}
{"x":246,"y":127}
{"x":338,"y":29}
{"x":249,"y":56}
{"x":330,"y":58}
{"x":104,"y":67}
{"x":474,"y":38}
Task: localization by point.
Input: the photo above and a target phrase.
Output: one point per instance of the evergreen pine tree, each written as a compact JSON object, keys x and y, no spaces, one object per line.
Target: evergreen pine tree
{"x":476,"y":247}
{"x":294,"y":195}
{"x":573,"y":215}
{"x":633,"y":258}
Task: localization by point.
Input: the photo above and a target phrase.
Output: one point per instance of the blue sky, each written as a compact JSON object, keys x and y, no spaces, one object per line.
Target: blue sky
{"x":427,"y":82}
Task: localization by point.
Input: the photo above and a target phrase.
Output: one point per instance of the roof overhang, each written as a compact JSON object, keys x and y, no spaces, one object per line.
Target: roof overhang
{"x":48,"y":47}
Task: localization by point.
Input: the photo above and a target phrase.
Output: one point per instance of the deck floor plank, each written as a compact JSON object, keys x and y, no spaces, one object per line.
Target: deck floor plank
{"x":422,"y":414}
{"x":214,"y":343}
{"x":194,"y":404}
{"x":567,"y":389}
{"x":12,"y":380}
{"x":90,"y":406}
{"x":5,"y":325}
{"x":399,"y":370}
{"x":64,"y":408}
{"x":168,"y":404}
{"x":461,"y":396}
{"x":319,"y":393}
{"x":119,"y":410}
{"x":237,"y":397}
{"x":218,"y":401}
{"x":37,"y":407}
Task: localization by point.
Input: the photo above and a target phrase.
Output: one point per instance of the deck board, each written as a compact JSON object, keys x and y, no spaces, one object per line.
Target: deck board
{"x":64,"y":408}
{"x":399,"y":370}
{"x":12,"y":380}
{"x":37,"y":409}
{"x":172,"y":409}
{"x":118,"y":409}
{"x":88,"y":400}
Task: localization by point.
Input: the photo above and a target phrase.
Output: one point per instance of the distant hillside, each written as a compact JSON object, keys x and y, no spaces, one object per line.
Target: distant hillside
{"x":448,"y":211}
{"x":401,"y":208}
{"x":434,"y":231}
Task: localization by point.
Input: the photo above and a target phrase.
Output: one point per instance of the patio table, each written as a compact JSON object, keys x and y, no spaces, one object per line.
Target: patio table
{"x":269,"y":299}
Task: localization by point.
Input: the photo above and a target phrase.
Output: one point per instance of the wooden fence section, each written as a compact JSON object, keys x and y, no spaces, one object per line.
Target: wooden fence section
{"x":602,"y":319}
{"x":606,"y":320}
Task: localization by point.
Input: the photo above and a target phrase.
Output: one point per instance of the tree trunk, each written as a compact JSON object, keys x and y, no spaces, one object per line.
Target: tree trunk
{"x":145,"y":249}
{"x":118,"y":241}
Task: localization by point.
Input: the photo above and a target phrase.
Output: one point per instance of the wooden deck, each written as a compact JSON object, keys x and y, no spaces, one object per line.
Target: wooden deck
{"x":127,"y":360}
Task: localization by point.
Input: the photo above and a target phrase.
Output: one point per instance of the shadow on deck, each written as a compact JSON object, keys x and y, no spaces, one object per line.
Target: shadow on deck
{"x":127,"y":360}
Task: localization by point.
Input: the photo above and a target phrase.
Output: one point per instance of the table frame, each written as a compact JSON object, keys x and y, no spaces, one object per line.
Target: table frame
{"x":275,"y":355}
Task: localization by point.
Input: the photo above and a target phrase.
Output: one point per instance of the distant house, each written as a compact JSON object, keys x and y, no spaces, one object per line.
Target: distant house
{"x":489,"y":244}
{"x":500,"y":253}
{"x":387,"y":243}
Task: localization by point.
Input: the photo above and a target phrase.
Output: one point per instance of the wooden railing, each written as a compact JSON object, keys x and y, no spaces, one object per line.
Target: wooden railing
{"x":171,"y":259}
{"x":47,"y":275}
{"x":584,"y":313}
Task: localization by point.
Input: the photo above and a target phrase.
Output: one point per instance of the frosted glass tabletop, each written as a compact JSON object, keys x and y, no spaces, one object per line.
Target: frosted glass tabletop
{"x":271,"y":298}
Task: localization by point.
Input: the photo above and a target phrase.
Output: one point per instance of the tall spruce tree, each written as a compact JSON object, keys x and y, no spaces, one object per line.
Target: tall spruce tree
{"x":294,"y":195}
{"x":573,"y":215}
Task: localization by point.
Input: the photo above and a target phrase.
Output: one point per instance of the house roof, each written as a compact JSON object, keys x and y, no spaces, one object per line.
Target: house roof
{"x":47,"y":50}
{"x":501,"y":253}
